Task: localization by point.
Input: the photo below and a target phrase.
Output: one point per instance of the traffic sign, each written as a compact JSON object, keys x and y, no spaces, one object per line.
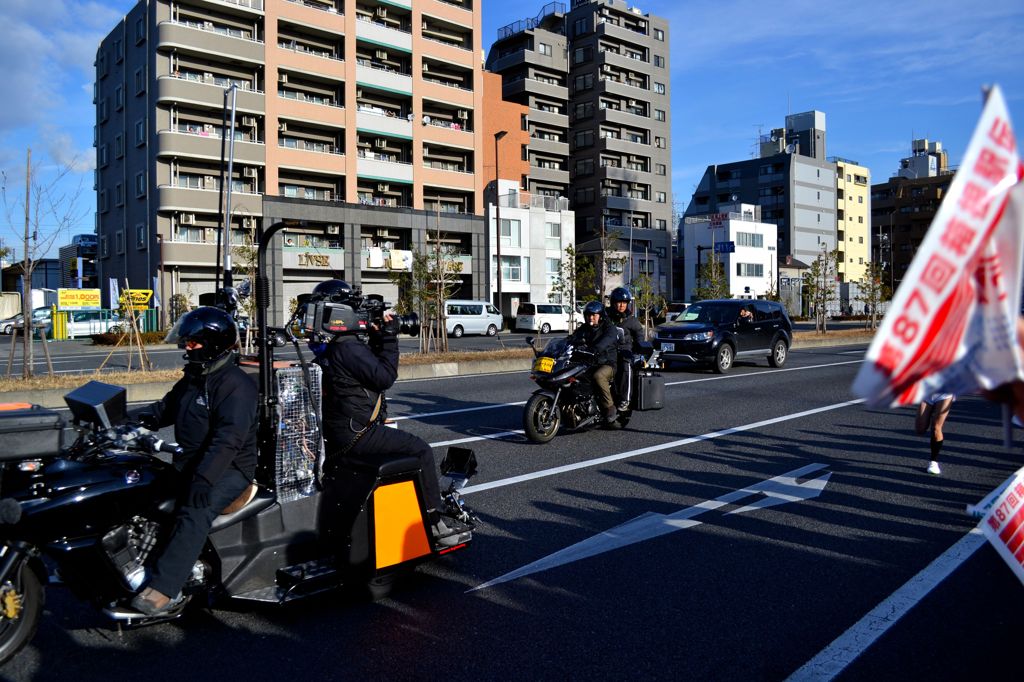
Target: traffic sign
{"x":725,"y":247}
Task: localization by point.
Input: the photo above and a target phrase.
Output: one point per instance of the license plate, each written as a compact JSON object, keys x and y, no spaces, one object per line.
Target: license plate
{"x":668,"y":347}
{"x":544,"y":365}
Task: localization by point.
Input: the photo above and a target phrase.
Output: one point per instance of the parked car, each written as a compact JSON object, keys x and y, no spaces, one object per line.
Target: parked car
{"x":10,"y":324}
{"x":713,"y":332}
{"x":471,"y":317}
{"x":544,"y":317}
{"x":86,"y":322}
{"x":40,"y":316}
{"x":670,"y":311}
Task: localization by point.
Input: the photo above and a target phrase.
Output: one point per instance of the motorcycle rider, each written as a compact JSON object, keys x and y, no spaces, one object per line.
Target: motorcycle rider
{"x":598,"y":335}
{"x":355,"y":376}
{"x":632,"y":335}
{"x":213,"y":410}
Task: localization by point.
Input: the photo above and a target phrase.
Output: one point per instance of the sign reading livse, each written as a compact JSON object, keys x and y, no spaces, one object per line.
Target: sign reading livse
{"x":78,"y":299}
{"x":139,"y":298}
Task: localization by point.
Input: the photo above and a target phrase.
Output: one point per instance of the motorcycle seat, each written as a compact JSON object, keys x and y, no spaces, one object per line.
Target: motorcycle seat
{"x":391,"y":467}
{"x":261,"y":499}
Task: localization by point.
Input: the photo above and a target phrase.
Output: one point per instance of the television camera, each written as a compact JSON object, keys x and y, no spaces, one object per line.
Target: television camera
{"x":352,"y":313}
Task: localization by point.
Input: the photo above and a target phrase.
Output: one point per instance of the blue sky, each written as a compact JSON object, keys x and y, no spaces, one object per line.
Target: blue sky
{"x":883,"y":73}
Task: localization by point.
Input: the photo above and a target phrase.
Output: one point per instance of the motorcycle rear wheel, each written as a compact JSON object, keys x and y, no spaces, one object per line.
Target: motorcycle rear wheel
{"x":21,"y":605}
{"x":539,"y":422}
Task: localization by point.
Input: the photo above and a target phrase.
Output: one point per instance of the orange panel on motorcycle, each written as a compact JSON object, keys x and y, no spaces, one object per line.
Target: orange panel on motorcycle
{"x":97,"y":403}
{"x":29,"y":431}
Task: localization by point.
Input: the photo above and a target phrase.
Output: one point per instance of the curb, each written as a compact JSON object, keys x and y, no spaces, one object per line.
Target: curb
{"x":54,"y":398}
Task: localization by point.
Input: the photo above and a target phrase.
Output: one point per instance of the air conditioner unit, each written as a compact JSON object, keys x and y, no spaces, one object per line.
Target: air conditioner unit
{"x":462,"y":113}
{"x":282,"y":127}
{"x":209,"y":181}
{"x":249,"y":121}
{"x":250,"y":172}
{"x":632,"y":102}
{"x":382,"y":11}
{"x":380,"y":54}
{"x":425,"y":68}
{"x":359,"y":92}
{"x":282,"y":78}
{"x":383,"y":187}
{"x":247,"y":223}
{"x":380,"y":142}
{"x":207,"y":76}
{"x":187,"y":219}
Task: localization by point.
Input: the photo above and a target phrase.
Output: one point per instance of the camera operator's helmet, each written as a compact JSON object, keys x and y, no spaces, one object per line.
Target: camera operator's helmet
{"x":620,"y":294}
{"x":212,"y":327}
{"x":333,"y":291}
{"x":592,"y":308}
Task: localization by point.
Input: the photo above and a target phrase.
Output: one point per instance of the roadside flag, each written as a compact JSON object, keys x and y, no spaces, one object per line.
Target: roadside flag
{"x":115,"y":294}
{"x":951,"y":327}
{"x":156,"y":292}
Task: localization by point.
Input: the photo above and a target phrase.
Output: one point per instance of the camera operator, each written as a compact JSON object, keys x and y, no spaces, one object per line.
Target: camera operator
{"x":355,"y":376}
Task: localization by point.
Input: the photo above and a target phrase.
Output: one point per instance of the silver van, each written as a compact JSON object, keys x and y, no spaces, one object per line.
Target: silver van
{"x":471,"y":317}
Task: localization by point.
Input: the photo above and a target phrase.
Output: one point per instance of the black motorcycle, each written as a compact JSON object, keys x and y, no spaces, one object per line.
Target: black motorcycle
{"x":87,"y":516}
{"x":563,"y":372}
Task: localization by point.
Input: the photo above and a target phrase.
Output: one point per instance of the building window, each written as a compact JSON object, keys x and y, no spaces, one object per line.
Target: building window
{"x":580,"y":26}
{"x":140,"y":235}
{"x":512,"y":268}
{"x":101,"y":156}
{"x":510,"y":232}
{"x":553,"y":236}
{"x":584,"y":138}
{"x":860,"y":219}
{"x":544,"y":48}
{"x":659,"y":34}
{"x":552,"y":268}
{"x":860,"y":200}
{"x":140,"y":81}
{"x":750,"y":239}
{"x":101,"y":201}
{"x":101,"y":64}
{"x":660,"y":169}
{"x":659,"y":88}
{"x":661,"y":224}
{"x":140,"y":132}
{"x":584,"y":110}
{"x":524,"y":122}
{"x":659,"y":197}
{"x":119,"y":50}
{"x":119,"y":241}
{"x":140,"y":184}
{"x":659,"y":115}
{"x":582,"y":54}
{"x":860,"y":240}
{"x":749,"y":270}
{"x":140,"y":31}
{"x":583,"y":82}
{"x":119,"y":194}
{"x":118,"y":146}
{"x":524,"y":152}
{"x":585,"y":195}
{"x":584,"y":167}
{"x":119,"y":98}
{"x":524,"y":181}
{"x":659,"y":61}
{"x":645,"y":266}
{"x":104,"y":247}
{"x":104,"y":114}
{"x":659,"y":142}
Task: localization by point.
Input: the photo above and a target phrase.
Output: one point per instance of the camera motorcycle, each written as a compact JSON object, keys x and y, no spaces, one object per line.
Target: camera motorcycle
{"x":565,"y":396}
{"x":88,"y":515}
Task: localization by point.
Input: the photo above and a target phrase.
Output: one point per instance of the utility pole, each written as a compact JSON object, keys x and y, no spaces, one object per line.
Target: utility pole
{"x":26,"y":286}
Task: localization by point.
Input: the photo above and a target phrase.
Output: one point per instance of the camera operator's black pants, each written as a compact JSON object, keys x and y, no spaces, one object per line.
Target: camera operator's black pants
{"x":382,"y":443}
{"x":191,"y":526}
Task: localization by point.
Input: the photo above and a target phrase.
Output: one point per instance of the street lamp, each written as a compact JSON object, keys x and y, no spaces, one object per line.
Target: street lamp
{"x":497,"y":209}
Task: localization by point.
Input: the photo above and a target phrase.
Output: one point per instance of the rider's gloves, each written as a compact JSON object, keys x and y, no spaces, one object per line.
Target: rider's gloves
{"x":199,"y":492}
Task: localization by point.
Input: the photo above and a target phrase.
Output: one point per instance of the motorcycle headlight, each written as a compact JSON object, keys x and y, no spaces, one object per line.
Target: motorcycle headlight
{"x":699,"y":336}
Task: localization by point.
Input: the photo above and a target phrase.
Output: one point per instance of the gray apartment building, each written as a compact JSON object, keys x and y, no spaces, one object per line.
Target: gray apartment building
{"x":363,"y":119}
{"x":597,"y":82}
{"x":791,"y":181}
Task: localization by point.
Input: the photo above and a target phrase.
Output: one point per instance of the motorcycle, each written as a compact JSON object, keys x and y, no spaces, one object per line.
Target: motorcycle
{"x":564,"y":376}
{"x":88,"y":516}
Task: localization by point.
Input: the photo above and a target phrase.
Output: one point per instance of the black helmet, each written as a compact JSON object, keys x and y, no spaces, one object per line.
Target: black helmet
{"x":333,"y":290}
{"x":214,"y":328}
{"x":620,"y":294}
{"x":593,"y":308}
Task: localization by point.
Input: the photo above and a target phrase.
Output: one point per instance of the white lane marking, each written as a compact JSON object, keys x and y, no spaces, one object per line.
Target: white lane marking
{"x":833,"y":659}
{"x":470,"y":439}
{"x":763,"y":373}
{"x":424,"y":415}
{"x":462,"y":376}
{"x":852,"y":352}
{"x":653,"y":448}
{"x":777,"y":490}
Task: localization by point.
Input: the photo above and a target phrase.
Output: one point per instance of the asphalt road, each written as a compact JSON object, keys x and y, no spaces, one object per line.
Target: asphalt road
{"x":733,"y":591}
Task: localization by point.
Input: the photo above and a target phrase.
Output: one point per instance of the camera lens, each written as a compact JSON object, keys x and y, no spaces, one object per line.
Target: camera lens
{"x":409,"y":324}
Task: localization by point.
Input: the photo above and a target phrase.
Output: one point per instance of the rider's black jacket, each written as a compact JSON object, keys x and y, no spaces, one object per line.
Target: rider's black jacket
{"x":633,"y":331}
{"x":355,"y":375}
{"x":600,"y":340}
{"x":213,"y":410}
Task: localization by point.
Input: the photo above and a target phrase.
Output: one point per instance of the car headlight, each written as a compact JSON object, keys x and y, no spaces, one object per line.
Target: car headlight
{"x":699,"y":336}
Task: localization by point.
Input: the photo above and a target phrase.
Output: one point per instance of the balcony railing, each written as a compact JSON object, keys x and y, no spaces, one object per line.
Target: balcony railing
{"x":210,"y":27}
{"x":219,"y":81}
{"x":317,"y":6}
{"x":299,"y":48}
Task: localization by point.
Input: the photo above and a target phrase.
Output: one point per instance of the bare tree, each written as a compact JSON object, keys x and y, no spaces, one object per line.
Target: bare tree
{"x":575,"y":275}
{"x":820,"y":287}
{"x":48,"y":211}
{"x":647,"y":300}
{"x":712,"y":279}
{"x":245,"y":255}
{"x":873,"y":290}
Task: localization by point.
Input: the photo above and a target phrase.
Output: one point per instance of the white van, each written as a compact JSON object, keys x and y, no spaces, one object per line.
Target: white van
{"x":544,"y":317}
{"x":471,"y":317}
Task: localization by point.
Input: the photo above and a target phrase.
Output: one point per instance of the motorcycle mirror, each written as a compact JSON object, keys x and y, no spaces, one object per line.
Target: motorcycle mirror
{"x":459,"y":463}
{"x":529,"y":340}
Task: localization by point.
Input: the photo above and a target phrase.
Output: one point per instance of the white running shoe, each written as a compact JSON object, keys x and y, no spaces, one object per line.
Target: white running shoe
{"x":933,"y":468}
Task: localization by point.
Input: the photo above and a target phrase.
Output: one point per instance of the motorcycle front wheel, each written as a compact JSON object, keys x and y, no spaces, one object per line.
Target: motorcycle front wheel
{"x":21,"y":605}
{"x":540,"y":418}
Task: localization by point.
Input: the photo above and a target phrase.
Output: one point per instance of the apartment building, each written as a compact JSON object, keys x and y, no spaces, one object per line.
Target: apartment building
{"x":853,"y":220}
{"x":792,"y":183}
{"x":596,"y":81}
{"x":362,"y":118}
{"x":78,"y":261}
{"x":903,"y":208}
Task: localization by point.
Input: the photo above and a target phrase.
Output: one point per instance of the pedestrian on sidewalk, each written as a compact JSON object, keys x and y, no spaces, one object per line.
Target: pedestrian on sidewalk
{"x":931,"y":415}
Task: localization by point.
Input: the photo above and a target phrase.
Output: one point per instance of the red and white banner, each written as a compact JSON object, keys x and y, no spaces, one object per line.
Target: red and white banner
{"x":951,"y":327}
{"x":1004,"y":524}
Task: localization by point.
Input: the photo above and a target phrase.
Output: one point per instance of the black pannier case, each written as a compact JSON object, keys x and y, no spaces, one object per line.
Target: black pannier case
{"x":29,"y":431}
{"x":650,"y":390}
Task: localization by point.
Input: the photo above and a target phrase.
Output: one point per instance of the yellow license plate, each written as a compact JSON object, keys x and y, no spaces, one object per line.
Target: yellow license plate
{"x":544,"y":365}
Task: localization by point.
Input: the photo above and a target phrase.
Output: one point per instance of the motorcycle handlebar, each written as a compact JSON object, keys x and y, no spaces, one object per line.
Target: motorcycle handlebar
{"x":159,"y":445}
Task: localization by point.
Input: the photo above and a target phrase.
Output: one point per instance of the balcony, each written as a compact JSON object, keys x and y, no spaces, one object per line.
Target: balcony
{"x":383,"y":34}
{"x":614,"y":144}
{"x":549,"y":118}
{"x":208,"y":39}
{"x":613,"y":30}
{"x":207,"y":89}
{"x":554,"y":147}
{"x":627,"y":175}
{"x":367,"y":74}
{"x":254,"y":5}
{"x":374,"y":119}
{"x":515,"y":88}
{"x":174,"y":198}
{"x":383,"y":166}
{"x":206,"y":145}
{"x":552,"y":175}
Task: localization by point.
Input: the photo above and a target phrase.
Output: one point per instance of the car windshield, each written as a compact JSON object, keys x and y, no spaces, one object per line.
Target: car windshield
{"x":714,"y":314}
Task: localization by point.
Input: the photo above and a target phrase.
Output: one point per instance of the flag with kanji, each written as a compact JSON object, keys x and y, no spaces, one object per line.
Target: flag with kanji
{"x":951,"y":327}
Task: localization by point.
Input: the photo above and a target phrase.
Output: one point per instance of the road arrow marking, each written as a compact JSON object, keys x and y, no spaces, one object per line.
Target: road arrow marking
{"x":777,"y":490}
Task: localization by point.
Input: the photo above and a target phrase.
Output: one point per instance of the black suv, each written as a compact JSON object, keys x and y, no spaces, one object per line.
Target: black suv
{"x":716,"y":332}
